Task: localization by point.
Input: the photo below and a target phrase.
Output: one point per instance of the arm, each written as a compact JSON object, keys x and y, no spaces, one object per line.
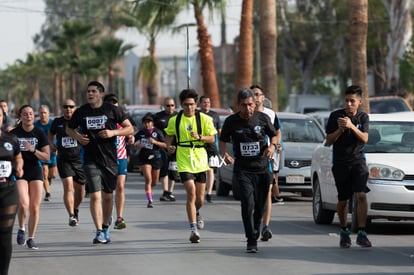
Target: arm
{"x":18,"y":162}
{"x":170,"y":148}
{"x":51,"y":138}
{"x":82,"y":139}
{"x":223,"y":152}
{"x":43,"y":154}
{"x":126,"y":130}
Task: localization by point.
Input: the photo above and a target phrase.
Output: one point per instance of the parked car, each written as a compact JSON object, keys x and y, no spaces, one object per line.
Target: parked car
{"x":388,"y":104}
{"x":301,"y":134}
{"x":390,"y":157}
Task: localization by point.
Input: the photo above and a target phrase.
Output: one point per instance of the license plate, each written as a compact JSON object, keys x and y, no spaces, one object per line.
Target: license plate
{"x":295,"y":179}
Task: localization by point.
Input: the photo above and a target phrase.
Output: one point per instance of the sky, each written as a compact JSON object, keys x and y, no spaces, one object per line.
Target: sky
{"x":20,"y":20}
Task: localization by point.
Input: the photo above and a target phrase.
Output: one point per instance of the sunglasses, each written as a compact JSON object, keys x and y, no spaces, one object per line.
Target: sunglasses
{"x":68,"y":106}
{"x":169,"y":105}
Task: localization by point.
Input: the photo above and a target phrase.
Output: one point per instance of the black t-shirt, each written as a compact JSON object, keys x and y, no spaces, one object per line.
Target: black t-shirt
{"x":347,"y":148}
{"x":248,"y":138}
{"x":68,"y":147}
{"x":9,"y":148}
{"x":161,"y":120}
{"x":36,"y":137}
{"x":100,"y":151}
{"x":149,"y":149}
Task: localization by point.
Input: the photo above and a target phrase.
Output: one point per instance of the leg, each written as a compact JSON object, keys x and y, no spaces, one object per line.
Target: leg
{"x":79,"y":194}
{"x":68,"y":195}
{"x":362,"y":209}
{"x":120,"y":195}
{"x":46,"y":183}
{"x":342,"y":210}
{"x":209,"y":184}
{"x":96,"y":208}
{"x":35,"y":194}
{"x":23,"y":190}
{"x":107,"y":205}
{"x":190,"y":189}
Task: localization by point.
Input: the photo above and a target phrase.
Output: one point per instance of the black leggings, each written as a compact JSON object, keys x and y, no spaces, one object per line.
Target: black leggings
{"x":9,"y":199}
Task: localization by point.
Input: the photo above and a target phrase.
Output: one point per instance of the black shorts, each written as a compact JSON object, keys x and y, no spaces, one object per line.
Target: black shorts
{"x":100,"y":178}
{"x":32,"y":173}
{"x":350,"y":179}
{"x":164,"y":163}
{"x":197,"y":177}
{"x":155,"y":163}
{"x":71,"y":169}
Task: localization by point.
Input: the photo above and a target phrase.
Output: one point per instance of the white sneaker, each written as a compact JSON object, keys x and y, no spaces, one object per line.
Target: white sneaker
{"x":194,"y":237}
{"x":200,"y":222}
{"x":73,"y":221}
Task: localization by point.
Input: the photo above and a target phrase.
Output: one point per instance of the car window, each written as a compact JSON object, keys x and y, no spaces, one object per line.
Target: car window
{"x":301,"y":130}
{"x":390,"y":137}
{"x":390,"y":105}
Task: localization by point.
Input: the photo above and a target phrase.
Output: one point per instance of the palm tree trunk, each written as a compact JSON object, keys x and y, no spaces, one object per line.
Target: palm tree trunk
{"x":358,"y":22}
{"x":56,"y":94}
{"x":268,"y":50}
{"x":208,"y":71}
{"x":244,"y":75}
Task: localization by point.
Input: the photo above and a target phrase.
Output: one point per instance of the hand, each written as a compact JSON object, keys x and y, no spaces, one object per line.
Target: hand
{"x":28,"y":146}
{"x":106,"y":133}
{"x":84,"y":139}
{"x":269,"y":152}
{"x":171,"y":149}
{"x":195,"y":135}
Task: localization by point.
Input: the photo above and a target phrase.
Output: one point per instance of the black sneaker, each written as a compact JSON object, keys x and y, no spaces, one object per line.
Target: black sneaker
{"x":47,"y":197}
{"x":362,"y":239}
{"x":21,"y":240}
{"x":208,"y":198}
{"x":77,"y":215}
{"x":345,"y":240}
{"x":277,"y":201}
{"x":266,"y":234}
{"x":31,"y":244}
{"x":171,"y":197}
{"x":251,"y":246}
{"x":150,"y":205}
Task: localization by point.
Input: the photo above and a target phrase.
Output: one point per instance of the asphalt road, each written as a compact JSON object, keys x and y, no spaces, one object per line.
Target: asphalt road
{"x":156,"y":242}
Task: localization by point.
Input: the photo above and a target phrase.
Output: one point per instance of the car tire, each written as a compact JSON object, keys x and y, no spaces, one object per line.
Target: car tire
{"x":235,"y":188}
{"x":222,"y":188}
{"x":320,"y":215}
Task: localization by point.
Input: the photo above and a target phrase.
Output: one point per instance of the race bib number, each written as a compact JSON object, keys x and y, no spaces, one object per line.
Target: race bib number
{"x":32,"y":141}
{"x":68,"y":142}
{"x":249,"y":149}
{"x":146,"y":144}
{"x":96,"y":122}
{"x":5,"y":169}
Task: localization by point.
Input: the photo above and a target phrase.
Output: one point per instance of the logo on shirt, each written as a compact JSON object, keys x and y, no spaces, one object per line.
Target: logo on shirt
{"x":257,"y":129}
{"x":8,"y":146}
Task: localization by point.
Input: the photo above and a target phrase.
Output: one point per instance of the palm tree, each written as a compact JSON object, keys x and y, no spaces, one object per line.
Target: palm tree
{"x":244,"y":76}
{"x":358,"y":22}
{"x":109,"y":50}
{"x":150,"y":18}
{"x":268,"y":49}
{"x":208,"y":71}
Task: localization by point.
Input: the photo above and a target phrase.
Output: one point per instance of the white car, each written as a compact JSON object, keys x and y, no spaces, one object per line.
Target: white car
{"x":390,"y":158}
{"x":301,"y":134}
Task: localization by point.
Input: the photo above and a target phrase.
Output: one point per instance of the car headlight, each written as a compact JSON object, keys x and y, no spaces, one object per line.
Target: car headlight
{"x":384,"y":172}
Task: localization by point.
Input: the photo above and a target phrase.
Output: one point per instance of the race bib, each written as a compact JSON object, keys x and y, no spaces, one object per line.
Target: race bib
{"x":5,"y":169}
{"x":68,"y":142}
{"x":146,"y":144}
{"x":32,"y":141}
{"x":96,"y":122}
{"x":249,"y":149}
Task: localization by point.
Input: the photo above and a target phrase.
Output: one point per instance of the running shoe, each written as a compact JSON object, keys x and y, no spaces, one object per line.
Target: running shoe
{"x":171,"y":197}
{"x":100,"y":237}
{"x":277,"y":201}
{"x":200,"y":222}
{"x":76,"y":215}
{"x":266,"y":234}
{"x":345,"y":240}
{"x":150,"y":205}
{"x":107,"y":234}
{"x":21,"y":240}
{"x":208,"y":198}
{"x":47,"y":197}
{"x":194,"y":236}
{"x":73,"y":221}
{"x":31,"y":244}
{"x":120,"y":223}
{"x":251,"y":246}
{"x":362,"y":239}
{"x":164,"y":197}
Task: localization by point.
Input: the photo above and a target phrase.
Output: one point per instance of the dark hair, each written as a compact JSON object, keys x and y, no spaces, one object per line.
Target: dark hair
{"x":188,"y":93}
{"x":98,"y":84}
{"x":110,"y":97}
{"x":353,"y":89}
{"x":204,"y":97}
{"x":148,"y":116}
{"x":256,"y":86}
{"x":244,"y":93}
{"x":22,"y":107}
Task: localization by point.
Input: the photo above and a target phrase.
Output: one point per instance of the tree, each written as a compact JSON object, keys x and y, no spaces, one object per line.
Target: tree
{"x":109,"y":50}
{"x":358,"y":22}
{"x":150,"y":18}
{"x":268,"y":49}
{"x":398,"y":38}
{"x":208,"y":71}
{"x":244,"y":74}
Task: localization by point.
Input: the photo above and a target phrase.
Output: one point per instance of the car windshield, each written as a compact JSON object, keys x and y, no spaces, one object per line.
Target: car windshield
{"x":390,"y":105}
{"x":301,"y":130}
{"x":390,"y":137}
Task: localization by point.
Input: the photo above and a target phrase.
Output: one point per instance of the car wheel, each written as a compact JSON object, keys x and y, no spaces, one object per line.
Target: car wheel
{"x":354,"y":214}
{"x":320,"y":215}
{"x":222,"y":188}
{"x":235,"y":188}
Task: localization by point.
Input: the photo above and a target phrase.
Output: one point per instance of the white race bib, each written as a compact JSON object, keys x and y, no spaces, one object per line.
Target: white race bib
{"x":68,"y":142}
{"x":96,"y":122}
{"x":5,"y":169}
{"x":250,"y":149}
{"x":146,"y":144}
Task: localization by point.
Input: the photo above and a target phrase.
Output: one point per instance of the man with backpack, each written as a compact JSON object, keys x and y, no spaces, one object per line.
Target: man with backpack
{"x":191,"y":130}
